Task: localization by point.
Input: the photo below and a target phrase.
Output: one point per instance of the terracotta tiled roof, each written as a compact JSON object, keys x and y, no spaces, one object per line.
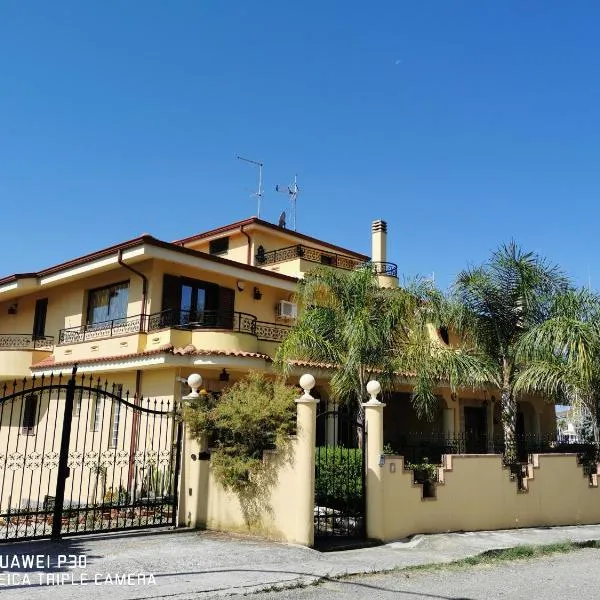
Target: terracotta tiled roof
{"x":257,"y":221}
{"x":189,"y":350}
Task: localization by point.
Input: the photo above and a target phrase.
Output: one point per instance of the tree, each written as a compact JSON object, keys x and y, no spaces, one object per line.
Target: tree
{"x":364,"y":331}
{"x":494,"y":306}
{"x":563,"y":357}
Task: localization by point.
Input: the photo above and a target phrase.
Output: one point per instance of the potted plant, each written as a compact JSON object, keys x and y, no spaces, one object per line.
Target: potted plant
{"x":425,"y":473}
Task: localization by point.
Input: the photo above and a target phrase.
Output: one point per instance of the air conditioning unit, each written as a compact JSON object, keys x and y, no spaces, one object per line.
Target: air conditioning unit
{"x":286,"y":310}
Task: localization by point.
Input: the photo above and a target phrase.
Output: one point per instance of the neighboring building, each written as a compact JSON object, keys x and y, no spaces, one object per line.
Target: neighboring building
{"x":144,"y":314}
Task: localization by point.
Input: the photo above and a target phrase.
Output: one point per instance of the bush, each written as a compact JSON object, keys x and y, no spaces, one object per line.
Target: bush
{"x":253,"y":415}
{"x":339,"y":478}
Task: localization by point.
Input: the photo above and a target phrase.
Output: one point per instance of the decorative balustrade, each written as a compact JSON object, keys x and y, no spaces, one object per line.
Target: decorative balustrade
{"x":323,"y":257}
{"x":167,"y":319}
{"x":24,"y":341}
{"x":101,"y":330}
{"x":307,"y":253}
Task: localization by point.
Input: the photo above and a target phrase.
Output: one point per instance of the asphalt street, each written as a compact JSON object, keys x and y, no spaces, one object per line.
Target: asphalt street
{"x":569,"y":576}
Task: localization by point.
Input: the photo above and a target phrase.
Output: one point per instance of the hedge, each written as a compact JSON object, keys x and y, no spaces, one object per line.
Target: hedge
{"x":338,"y":478}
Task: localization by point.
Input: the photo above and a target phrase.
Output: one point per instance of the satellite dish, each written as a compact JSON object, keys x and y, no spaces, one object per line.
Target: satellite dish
{"x":282,"y":219}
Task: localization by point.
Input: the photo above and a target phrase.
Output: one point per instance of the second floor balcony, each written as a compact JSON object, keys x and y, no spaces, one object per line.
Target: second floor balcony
{"x":186,"y":320}
{"x":322,"y":257}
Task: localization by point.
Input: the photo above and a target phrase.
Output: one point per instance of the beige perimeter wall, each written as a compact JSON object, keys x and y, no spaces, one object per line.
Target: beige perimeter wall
{"x":478,"y":493}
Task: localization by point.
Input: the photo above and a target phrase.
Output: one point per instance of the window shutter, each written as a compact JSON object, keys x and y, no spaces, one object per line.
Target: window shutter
{"x":171,"y":300}
{"x":226,"y":307}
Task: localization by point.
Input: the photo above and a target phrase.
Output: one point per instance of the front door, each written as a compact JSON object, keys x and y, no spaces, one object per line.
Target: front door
{"x":475,"y":430}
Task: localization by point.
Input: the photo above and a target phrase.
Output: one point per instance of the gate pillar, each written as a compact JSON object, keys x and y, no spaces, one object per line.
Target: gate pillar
{"x":306,"y":439}
{"x":374,"y":464}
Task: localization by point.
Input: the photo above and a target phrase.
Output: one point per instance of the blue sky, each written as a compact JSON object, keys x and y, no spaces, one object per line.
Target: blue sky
{"x":462,"y":123}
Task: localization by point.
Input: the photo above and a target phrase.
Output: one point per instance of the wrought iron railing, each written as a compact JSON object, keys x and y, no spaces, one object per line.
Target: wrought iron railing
{"x":103,"y":329}
{"x":241,"y":322}
{"x":25,"y":341}
{"x":385,"y":268}
{"x":166,"y":319}
{"x":420,"y":447}
{"x":310,"y":254}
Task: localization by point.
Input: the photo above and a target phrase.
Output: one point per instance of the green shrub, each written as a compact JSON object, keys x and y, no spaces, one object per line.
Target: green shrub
{"x":253,"y":415}
{"x":339,"y":478}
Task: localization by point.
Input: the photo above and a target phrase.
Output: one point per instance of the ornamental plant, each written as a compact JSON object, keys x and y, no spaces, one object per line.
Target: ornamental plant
{"x":253,"y":415}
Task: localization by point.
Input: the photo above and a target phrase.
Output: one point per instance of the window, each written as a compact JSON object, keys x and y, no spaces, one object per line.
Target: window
{"x":220,"y":246}
{"x":326,"y":259}
{"x":30,"y":415}
{"x":114,"y":420}
{"x":108,"y":303}
{"x":191,"y":303}
{"x":77,"y":404}
{"x":39,"y":318}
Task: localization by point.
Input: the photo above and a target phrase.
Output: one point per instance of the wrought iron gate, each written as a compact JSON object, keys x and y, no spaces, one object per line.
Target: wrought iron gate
{"x":340,"y":479}
{"x":79,"y":456}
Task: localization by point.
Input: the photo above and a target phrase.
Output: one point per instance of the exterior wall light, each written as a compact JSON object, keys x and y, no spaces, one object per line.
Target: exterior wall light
{"x":240,"y":286}
{"x":13,"y":308}
{"x":224,"y":375}
{"x":257,"y":294}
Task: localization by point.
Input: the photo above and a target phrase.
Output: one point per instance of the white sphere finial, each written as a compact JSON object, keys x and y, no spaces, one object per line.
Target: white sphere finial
{"x":307,"y":383}
{"x":194,"y":381}
{"x":373,"y":388}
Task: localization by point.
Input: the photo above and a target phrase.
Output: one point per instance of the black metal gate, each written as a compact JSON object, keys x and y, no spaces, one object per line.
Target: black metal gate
{"x":79,"y":456}
{"x":340,"y":479}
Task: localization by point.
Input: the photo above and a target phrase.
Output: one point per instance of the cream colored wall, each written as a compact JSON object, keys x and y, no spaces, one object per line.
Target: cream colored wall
{"x":478,"y":494}
{"x":238,"y":247}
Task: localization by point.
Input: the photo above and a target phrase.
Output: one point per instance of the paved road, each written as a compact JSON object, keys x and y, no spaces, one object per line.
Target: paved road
{"x":573,"y":576}
{"x":190,"y":564}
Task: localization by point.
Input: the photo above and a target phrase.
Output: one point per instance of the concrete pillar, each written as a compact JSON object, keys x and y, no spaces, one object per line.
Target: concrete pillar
{"x":448,"y":421}
{"x":374,"y":424}
{"x":306,"y":438}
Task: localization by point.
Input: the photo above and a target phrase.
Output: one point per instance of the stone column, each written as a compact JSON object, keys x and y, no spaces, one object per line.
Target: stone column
{"x":306,"y":438}
{"x":375,"y":459}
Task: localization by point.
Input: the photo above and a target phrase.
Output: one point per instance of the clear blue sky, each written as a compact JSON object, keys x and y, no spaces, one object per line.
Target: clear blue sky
{"x":462,"y":123}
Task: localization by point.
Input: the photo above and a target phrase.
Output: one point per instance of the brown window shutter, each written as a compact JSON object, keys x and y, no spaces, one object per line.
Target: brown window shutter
{"x":226,"y":307}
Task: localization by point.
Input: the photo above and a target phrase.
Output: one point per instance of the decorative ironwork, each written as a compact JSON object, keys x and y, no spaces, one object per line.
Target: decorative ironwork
{"x":93,"y":469}
{"x":340,"y":479}
{"x":385,"y":268}
{"x":271,"y":331}
{"x":102,"y":330}
{"x":310,"y":254}
{"x":23,"y":341}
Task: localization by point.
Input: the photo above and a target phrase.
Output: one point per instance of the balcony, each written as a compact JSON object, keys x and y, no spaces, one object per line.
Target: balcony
{"x":21,"y":341}
{"x":102,"y":330}
{"x":170,"y":319}
{"x":330,"y":259}
{"x":212,"y":319}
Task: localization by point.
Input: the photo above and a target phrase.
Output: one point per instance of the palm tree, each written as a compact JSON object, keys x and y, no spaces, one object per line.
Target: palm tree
{"x":348,"y":321}
{"x":563,"y":355}
{"x":494,"y":306}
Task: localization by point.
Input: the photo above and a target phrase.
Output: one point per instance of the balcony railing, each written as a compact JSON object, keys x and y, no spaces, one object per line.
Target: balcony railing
{"x":385,"y":268}
{"x":322,"y":257}
{"x":24,"y":341}
{"x":167,"y":319}
{"x":241,"y":322}
{"x":102,"y":330}
{"x":307,"y":253}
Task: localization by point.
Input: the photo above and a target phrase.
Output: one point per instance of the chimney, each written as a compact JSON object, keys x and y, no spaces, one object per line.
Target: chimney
{"x":379,"y":241}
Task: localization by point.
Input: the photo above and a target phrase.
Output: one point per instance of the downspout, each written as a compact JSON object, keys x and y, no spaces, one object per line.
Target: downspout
{"x":249,"y":255}
{"x":144,"y":284}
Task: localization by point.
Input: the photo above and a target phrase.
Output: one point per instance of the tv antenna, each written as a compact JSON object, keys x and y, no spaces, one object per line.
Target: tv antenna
{"x":292,"y":191}
{"x":258,"y":194}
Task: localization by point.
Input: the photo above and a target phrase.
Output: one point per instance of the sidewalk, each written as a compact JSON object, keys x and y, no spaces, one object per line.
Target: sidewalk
{"x":189,"y":564}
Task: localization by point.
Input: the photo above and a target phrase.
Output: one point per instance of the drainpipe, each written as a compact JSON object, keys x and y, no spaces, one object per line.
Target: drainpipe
{"x":249,"y":256}
{"x":144,"y":284}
